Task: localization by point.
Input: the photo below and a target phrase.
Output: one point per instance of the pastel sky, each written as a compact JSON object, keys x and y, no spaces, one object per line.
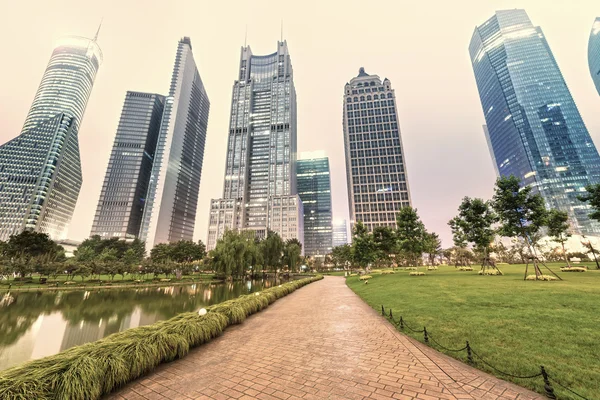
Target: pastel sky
{"x":421,"y":46}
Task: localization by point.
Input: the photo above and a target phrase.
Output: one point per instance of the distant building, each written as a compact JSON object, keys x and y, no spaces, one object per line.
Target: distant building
{"x":534,"y":128}
{"x":123,"y":195}
{"x":260,"y":166}
{"x":170,"y":204}
{"x":314,"y":189}
{"x":40,"y":170}
{"x":340,"y":233}
{"x":375,"y":165}
{"x":594,"y":53}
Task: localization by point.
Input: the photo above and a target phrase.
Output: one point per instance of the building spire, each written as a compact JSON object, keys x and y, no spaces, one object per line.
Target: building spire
{"x":246,"y":36}
{"x":98,"y":31}
{"x":281,"y":30}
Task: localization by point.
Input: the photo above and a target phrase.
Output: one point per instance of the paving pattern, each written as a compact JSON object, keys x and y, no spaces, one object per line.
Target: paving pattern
{"x":320,"y":342}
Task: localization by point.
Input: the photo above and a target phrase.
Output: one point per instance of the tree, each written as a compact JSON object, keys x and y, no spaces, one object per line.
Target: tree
{"x":590,"y":249}
{"x":558,"y":229}
{"x":161,"y":253}
{"x":292,"y":252}
{"x":521,"y":214}
{"x":432,"y":245}
{"x":363,"y":245}
{"x":410,"y":234}
{"x":474,"y":224}
{"x":385,"y":242}
{"x":341,"y":256}
{"x":592,"y":197}
{"x":272,"y":250}
{"x":29,"y":244}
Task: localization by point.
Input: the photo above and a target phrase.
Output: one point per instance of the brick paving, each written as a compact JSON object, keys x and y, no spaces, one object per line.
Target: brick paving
{"x":320,"y":342}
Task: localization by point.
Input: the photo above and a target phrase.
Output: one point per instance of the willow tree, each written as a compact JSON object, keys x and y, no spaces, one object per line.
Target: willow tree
{"x":521,"y":214}
{"x":475,"y":224}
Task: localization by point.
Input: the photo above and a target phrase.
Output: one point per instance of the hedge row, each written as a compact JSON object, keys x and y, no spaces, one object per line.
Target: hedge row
{"x":97,"y":368}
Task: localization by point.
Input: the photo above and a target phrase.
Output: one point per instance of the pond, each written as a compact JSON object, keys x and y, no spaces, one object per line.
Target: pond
{"x":41,"y":323}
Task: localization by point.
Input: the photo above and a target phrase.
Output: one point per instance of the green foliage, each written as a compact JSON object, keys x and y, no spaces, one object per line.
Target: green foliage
{"x":410,"y":234}
{"x":341,"y":256}
{"x":592,"y":197}
{"x":183,"y":251}
{"x":474,"y":223}
{"x":272,"y":250}
{"x":95,"y":369}
{"x":363,"y":245}
{"x":234,"y":253}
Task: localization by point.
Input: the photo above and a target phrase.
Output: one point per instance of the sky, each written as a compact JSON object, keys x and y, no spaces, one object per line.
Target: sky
{"x":421,"y":46}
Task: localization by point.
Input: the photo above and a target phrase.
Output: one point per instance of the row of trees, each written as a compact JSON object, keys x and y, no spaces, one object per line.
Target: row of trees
{"x":238,"y":253}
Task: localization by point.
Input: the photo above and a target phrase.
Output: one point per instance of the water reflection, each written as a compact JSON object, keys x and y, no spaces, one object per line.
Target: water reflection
{"x":38,"y":324}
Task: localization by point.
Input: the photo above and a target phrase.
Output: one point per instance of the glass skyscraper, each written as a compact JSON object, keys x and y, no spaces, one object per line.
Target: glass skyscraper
{"x":40,"y":170}
{"x":340,"y":233}
{"x":123,"y":196}
{"x":259,"y":191}
{"x":314,"y":189}
{"x":533,"y":125}
{"x":594,"y":53}
{"x":170,"y":204}
{"x":375,"y":166}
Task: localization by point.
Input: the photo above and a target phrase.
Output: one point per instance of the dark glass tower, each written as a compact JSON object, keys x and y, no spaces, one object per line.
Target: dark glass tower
{"x":375,"y":166}
{"x":123,"y":196}
{"x":594,"y":53}
{"x":533,"y":126}
{"x":314,"y":189}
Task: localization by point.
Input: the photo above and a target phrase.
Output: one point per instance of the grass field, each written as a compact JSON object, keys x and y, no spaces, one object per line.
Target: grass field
{"x":514,"y":325}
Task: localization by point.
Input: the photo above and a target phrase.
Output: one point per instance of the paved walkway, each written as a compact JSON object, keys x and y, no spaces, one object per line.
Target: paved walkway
{"x":320,"y":342}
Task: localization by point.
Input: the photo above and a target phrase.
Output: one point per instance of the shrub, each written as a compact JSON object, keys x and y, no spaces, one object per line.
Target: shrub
{"x":573,"y":269}
{"x":70,"y":282}
{"x":492,"y":272}
{"x":541,"y":278}
{"x":410,"y":268}
{"x":94,"y":369}
{"x":365,"y":277}
{"x":353,"y":274}
{"x":465,"y":268}
{"x":432,"y":268}
{"x":418,"y":273}
{"x":387,"y":272}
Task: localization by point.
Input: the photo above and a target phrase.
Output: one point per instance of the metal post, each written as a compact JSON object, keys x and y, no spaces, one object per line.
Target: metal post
{"x":469,"y":354}
{"x":401,"y":323}
{"x":382,"y":310}
{"x":391,"y":316}
{"x":425,"y":337}
{"x":547,"y":386}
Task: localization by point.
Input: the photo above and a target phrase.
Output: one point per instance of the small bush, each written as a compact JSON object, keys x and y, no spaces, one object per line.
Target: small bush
{"x":353,"y":274}
{"x":410,"y":268}
{"x":365,"y":277}
{"x":541,"y":278}
{"x":492,"y":272}
{"x":387,"y":272}
{"x":465,"y":268}
{"x":70,"y":282}
{"x":165,"y":280}
{"x":432,"y":268}
{"x":573,"y":269}
{"x":417,"y":273}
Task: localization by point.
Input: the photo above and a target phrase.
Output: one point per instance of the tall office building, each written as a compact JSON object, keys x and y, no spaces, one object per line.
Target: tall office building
{"x":314,"y":189}
{"x":123,"y":196}
{"x":259,"y":192}
{"x":340,"y":233}
{"x":594,"y":53}
{"x":533,"y":125}
{"x":40,"y":170}
{"x":375,"y":166}
{"x":170,"y":204}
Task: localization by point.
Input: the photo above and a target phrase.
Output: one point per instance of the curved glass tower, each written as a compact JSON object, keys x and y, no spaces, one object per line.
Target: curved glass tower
{"x":67,"y":82}
{"x":534,"y":128}
{"x":40,"y":170}
{"x":594,"y":53}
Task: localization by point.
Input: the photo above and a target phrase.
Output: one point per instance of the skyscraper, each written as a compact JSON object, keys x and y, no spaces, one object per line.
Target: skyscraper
{"x":170,"y":209}
{"x":123,"y":196}
{"x":594,"y":53}
{"x":314,"y":189}
{"x":375,"y":166}
{"x":340,"y":233}
{"x":259,"y":191}
{"x":534,"y":128}
{"x":40,"y":170}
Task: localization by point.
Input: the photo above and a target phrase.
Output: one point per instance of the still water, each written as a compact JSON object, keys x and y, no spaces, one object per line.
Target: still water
{"x":39,"y":324}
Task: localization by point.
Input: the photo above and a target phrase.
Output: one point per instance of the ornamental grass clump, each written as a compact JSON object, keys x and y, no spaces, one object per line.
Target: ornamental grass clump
{"x":417,"y":273}
{"x":432,"y":268}
{"x":541,"y":278}
{"x":353,"y":274}
{"x":387,"y":272}
{"x":365,"y":277}
{"x":573,"y":269}
{"x":491,"y":272}
{"x":465,"y":269}
{"x":94,"y":369}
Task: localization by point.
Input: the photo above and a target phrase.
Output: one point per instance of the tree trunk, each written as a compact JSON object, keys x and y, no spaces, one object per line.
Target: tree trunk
{"x":565,"y":254}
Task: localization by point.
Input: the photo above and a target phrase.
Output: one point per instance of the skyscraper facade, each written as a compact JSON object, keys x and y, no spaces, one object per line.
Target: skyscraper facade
{"x":40,"y":170}
{"x":123,"y":195}
{"x":534,"y":128}
{"x":314,"y":189}
{"x":340,"y":233}
{"x":170,"y":204}
{"x":375,"y":166}
{"x":594,"y":53}
{"x":260,"y":168}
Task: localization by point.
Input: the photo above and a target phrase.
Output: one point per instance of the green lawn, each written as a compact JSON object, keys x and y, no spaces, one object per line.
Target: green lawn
{"x":514,"y":325}
{"x":106,"y":280}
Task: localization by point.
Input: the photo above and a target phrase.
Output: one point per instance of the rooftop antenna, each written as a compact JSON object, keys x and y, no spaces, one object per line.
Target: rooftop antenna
{"x":281,"y":30}
{"x":98,"y":31}
{"x":246,"y":36}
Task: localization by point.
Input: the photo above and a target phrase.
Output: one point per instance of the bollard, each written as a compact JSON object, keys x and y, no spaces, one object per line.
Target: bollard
{"x":382,"y":311}
{"x":425,"y":337}
{"x":401,"y":323}
{"x":547,"y":386}
{"x":469,"y":354}
{"x":391,"y":316}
